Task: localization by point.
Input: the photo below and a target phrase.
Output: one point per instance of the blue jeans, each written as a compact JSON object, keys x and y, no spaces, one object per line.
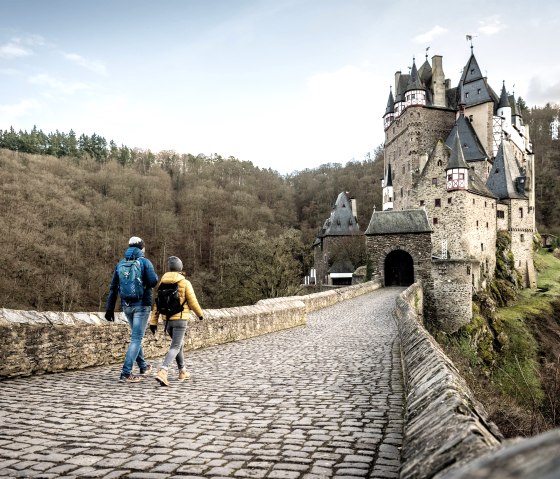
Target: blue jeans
{"x":137,"y":317}
{"x":176,"y":329}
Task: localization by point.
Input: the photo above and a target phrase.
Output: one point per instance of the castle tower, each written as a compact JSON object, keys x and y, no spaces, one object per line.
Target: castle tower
{"x":388,"y":189}
{"x":389,"y":110}
{"x":457,"y":169}
{"x":504,"y":108}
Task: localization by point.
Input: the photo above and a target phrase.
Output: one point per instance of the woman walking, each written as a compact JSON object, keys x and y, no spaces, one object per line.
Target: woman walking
{"x":175,"y":300}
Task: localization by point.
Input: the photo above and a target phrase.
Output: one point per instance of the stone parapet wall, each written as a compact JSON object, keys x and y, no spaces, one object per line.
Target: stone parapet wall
{"x":444,"y":423}
{"x":324,"y":299}
{"x":36,"y":342}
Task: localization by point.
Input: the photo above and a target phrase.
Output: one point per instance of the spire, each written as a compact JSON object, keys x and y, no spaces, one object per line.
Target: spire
{"x":413,"y":82}
{"x":457,"y":158}
{"x":504,"y":102}
{"x":515,"y":107}
{"x":390,"y":102}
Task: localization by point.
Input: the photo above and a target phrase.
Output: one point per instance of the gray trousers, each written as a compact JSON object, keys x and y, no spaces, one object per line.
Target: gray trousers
{"x":176,"y":330}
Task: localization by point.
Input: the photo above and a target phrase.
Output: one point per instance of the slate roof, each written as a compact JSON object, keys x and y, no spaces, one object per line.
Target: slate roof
{"x":475,"y":87}
{"x":388,"y":176}
{"x":504,"y":173}
{"x":341,"y":221}
{"x":390,"y":103}
{"x":398,"y":222}
{"x":457,"y":158}
{"x":472,"y":148}
{"x":342,"y":266}
{"x":504,"y":100}
{"x":425,"y":73}
{"x":401,"y":87}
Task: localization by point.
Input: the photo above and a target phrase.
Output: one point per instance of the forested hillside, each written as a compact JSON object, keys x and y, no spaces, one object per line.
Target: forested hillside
{"x":243,"y":233}
{"x":68,"y":205}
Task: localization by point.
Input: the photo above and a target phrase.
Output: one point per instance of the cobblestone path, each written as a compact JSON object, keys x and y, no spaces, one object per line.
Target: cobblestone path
{"x":323,"y":400}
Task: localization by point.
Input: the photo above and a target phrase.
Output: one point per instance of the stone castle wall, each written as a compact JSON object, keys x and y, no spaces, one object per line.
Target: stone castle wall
{"x":409,"y":138}
{"x":44,"y":342}
{"x":444,"y":423}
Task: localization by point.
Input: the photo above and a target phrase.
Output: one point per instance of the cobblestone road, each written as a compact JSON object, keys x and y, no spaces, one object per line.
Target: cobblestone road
{"x":324,"y":400}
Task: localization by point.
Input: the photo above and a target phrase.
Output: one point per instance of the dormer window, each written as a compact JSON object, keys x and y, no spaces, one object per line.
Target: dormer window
{"x":472,"y":71}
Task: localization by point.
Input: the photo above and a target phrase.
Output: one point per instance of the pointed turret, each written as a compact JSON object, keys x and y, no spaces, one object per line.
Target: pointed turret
{"x":388,"y":189}
{"x":389,"y":110}
{"x":474,"y":86}
{"x":516,"y":117}
{"x":504,"y":109}
{"x":415,"y":93}
{"x":457,"y":168}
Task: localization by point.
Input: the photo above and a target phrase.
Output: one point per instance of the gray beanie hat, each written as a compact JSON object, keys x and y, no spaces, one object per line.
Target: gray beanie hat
{"x":174,"y":264}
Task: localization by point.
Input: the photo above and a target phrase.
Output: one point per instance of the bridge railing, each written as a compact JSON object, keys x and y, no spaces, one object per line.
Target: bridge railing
{"x":35,"y":342}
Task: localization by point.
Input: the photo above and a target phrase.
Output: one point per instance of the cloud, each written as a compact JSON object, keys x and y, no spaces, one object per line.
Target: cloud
{"x":94,"y":66}
{"x":20,"y":47}
{"x":46,"y":80}
{"x":430,"y":35}
{"x":491,"y":25}
{"x":19,"y":109}
{"x":541,"y":93}
{"x":14,"y":50}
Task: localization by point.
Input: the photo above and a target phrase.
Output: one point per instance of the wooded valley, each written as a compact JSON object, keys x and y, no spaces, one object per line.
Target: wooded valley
{"x":68,"y":206}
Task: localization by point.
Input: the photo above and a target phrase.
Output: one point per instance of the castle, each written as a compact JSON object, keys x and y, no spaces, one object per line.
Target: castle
{"x":458,"y":168}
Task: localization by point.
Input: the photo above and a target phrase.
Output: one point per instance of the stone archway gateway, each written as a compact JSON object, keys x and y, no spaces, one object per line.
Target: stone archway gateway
{"x":399,"y":269}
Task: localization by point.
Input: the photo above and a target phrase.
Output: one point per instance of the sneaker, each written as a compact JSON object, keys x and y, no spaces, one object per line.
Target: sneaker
{"x":147,"y":369}
{"x":161,"y":377}
{"x":131,"y":378}
{"x":184,"y":374}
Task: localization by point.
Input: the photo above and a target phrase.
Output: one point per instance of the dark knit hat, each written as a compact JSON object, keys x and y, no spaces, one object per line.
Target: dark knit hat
{"x":136,"y":242}
{"x":174,"y":264}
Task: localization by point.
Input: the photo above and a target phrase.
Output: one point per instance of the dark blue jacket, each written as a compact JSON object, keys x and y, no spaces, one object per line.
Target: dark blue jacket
{"x":149,"y":279}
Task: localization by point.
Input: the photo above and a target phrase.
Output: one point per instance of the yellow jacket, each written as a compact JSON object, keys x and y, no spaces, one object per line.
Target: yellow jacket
{"x":185,"y":292}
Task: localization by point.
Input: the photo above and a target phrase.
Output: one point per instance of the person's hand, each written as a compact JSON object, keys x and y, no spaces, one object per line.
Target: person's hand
{"x":110,"y":315}
{"x":200,"y":318}
{"x":153,"y":329}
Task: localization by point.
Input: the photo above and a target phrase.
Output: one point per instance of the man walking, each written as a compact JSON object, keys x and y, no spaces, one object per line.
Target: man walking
{"x":133,"y":279}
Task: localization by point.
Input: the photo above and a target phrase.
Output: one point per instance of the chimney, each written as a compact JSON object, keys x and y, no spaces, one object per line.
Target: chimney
{"x":438,"y":81}
{"x":354,"y":208}
{"x":397,"y":79}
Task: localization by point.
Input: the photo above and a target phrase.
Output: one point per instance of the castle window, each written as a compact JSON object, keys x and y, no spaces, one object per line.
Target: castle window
{"x":439,"y":163}
{"x":435,"y":221}
{"x":485,"y":204}
{"x":500,"y":214}
{"x":468,"y":270}
{"x":421,"y":202}
{"x":437,"y":202}
{"x":473,"y":201}
{"x":461,"y":176}
{"x":466,"y":94}
{"x":472,"y":71}
{"x":434,"y":181}
{"x":449,"y":177}
{"x":487,"y":224}
{"x":521,"y":212}
{"x":448,"y":201}
{"x":481,"y":246}
{"x":403,"y":169}
{"x":402,"y":193}
{"x":477,"y":223}
{"x":478,"y":91}
{"x":522,"y":237}
{"x":471,"y":118}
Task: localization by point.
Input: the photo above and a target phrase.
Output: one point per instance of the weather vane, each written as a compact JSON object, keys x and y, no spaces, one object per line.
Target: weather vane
{"x":427,"y":48}
{"x":469,"y":39}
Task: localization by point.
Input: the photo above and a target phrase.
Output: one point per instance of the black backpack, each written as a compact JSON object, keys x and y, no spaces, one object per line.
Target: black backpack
{"x":168,"y":302}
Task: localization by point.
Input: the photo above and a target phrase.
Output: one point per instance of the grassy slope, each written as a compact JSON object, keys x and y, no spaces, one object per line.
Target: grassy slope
{"x":508,"y":355}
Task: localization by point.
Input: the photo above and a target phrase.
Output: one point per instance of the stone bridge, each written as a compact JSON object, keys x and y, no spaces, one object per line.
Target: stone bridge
{"x":345,"y":384}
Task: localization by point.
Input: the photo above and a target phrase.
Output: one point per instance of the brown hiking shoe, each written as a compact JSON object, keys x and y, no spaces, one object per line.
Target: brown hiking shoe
{"x":131,"y":378}
{"x":161,"y":377}
{"x":184,"y":374}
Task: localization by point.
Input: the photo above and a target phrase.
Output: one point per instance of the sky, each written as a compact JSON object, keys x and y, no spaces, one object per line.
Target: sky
{"x":285,"y":84}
